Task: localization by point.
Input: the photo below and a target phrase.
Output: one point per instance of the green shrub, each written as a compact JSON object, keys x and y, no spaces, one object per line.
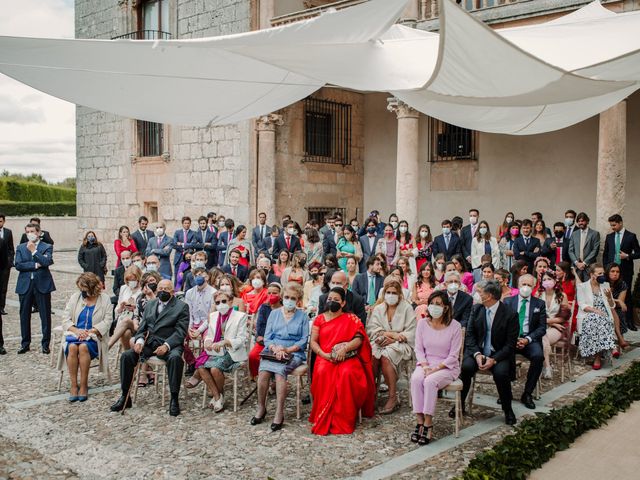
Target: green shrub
{"x":45,"y":209}
{"x":21,"y":191}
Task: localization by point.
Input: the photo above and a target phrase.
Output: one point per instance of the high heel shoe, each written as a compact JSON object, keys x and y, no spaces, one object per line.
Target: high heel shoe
{"x":615,"y":353}
{"x":415,"y":436}
{"x":276,"y":426}
{"x":424,"y":439}
{"x":258,"y":420}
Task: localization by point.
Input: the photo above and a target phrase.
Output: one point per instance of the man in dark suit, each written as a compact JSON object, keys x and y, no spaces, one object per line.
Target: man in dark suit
{"x":490,"y":343}
{"x":569,"y":225}
{"x":448,"y":243}
{"x":7,"y":254}
{"x":160,"y":245}
{"x":354,"y":302}
{"x":224,"y":238}
{"x":462,"y":302}
{"x":34,"y":284}
{"x":126,"y":260}
{"x":204,"y":239}
{"x":234,"y":268}
{"x":329,"y":246}
{"x":526,"y":247}
{"x":368,"y":242}
{"x":260,"y":233}
{"x":288,"y":240}
{"x":466,"y":235}
{"x":44,"y":235}
{"x":367,"y":285}
{"x":584,"y":247}
{"x":165,"y":321}
{"x":621,"y":246}
{"x":183,"y":240}
{"x":142,"y":235}
{"x":374,"y":215}
{"x":327,"y":228}
{"x":555,"y":247}
{"x":532,"y":319}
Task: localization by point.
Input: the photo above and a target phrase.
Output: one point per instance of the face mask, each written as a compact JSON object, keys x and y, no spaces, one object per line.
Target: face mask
{"x":137,"y":263}
{"x":439,"y":267}
{"x":473,"y":220}
{"x":435,"y":311}
{"x":558,"y":234}
{"x":601,"y":279}
{"x":152,"y":286}
{"x":424,"y":234}
{"x":223,"y":308}
{"x":199,"y":264}
{"x":509,"y":219}
{"x":334,"y":306}
{"x":302,"y":262}
{"x":199,"y":281}
{"x":394,"y":225}
{"x":32,"y":237}
{"x":514,"y":232}
{"x":371,"y":230}
{"x":91,"y":239}
{"x":126,"y":262}
{"x":548,"y":283}
{"x":452,"y":288}
{"x":289,"y":304}
{"x":335,"y":285}
{"x":391,"y":298}
{"x":314,"y":276}
{"x":402,"y":229}
{"x":273,"y":298}
{"x":477,"y":298}
{"x":257,"y":283}
{"x":446,"y":230}
{"x":525,"y":291}
{"x":226,"y":289}
{"x":389,"y":235}
{"x":355,"y":226}
{"x":483,"y":230}
{"x":152,"y":267}
{"x":568,"y":222}
{"x":159,"y":232}
{"x":291,"y":231}
{"x":164,"y":296}
{"x":84,"y":294}
{"x":221,"y":224}
{"x":132,"y":284}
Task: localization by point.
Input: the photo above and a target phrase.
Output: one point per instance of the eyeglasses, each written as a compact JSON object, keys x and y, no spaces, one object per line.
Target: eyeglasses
{"x":220,"y":301}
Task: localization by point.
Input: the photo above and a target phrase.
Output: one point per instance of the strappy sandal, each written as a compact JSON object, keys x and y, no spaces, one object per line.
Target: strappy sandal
{"x":190,"y":383}
{"x":415,"y":436}
{"x":424,"y":439}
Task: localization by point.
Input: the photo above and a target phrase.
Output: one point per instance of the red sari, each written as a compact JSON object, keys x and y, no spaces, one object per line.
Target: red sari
{"x":341,"y":389}
{"x":254,"y":300}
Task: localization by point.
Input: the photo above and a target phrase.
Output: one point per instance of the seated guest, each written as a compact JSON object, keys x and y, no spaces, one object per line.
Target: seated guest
{"x":491,"y":349}
{"x":313,"y":288}
{"x":162,"y":332}
{"x":462,"y":302}
{"x":502,"y":277}
{"x":126,"y":260}
{"x":557,"y":315}
{"x":487,"y":271}
{"x":198,"y":260}
{"x":437,"y":348}
{"x":295,"y":272}
{"x":389,"y":246}
{"x":86,"y":322}
{"x":234,"y":268}
{"x":392,"y":329}
{"x":520,"y":267}
{"x":565,"y":276}
{"x":424,"y":285}
{"x":149,"y":283}
{"x":231,"y":285}
{"x":200,"y":301}
{"x":183,"y":269}
{"x":282,"y":263}
{"x":619,"y":291}
{"x":540,"y":266}
{"x":343,"y":382}
{"x":532,"y":317}
{"x":126,"y":326}
{"x":274,"y":301}
{"x":285,"y":338}
{"x":368,"y":284}
{"x":224,"y":349}
{"x":355,"y":303}
{"x":466,"y":278}
{"x":256,"y":294}
{"x":264,"y":264}
{"x":439,"y":263}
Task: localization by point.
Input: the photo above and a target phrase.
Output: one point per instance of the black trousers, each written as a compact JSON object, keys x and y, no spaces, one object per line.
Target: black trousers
{"x":4,"y":282}
{"x":43,"y":301}
{"x":175,"y":365}
{"x":628,"y":317}
{"x":1,"y":336}
{"x":533,"y":352}
{"x":501,"y":376}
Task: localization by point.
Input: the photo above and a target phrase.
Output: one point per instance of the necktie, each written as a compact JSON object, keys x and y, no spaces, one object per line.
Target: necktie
{"x":617,"y":257}
{"x":526,"y":241}
{"x":144,"y":235}
{"x":487,"y":336}
{"x":233,"y":271}
{"x":446,"y":241}
{"x":371,"y":294}
{"x":452,"y":300}
{"x":522,"y":315}
{"x":288,"y":241}
{"x":204,"y":235}
{"x":558,"y":253}
{"x":184,"y":234}
{"x":473,"y":230}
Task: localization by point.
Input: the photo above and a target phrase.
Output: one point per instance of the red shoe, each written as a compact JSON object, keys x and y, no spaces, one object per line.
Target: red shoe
{"x":615,"y":353}
{"x":596,"y":366}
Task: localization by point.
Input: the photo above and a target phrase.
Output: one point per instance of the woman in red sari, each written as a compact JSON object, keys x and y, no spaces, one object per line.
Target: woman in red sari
{"x":256,"y":294}
{"x":342,"y":381}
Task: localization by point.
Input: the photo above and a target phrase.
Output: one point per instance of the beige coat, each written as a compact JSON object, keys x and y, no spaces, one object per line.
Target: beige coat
{"x":235,"y":330}
{"x":102,"y":315}
{"x":403,"y":321}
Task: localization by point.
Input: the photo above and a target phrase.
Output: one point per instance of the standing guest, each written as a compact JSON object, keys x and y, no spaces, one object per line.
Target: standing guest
{"x":123,"y":242}
{"x":274,"y":301}
{"x":260,"y":234}
{"x":241,"y":244}
{"x":506,"y":246}
{"x":183,"y":240}
{"x":393,"y":221}
{"x":540,"y":231}
{"x":367,"y":285}
{"x":92,"y":256}
{"x":7,"y":254}
{"x":532,"y":317}
{"x":621,"y":247}
{"x":554,"y":247}
{"x":424,"y":243}
{"x":225,"y":236}
{"x":212,"y":253}
{"x":205,"y":239}
{"x":407,"y":245}
{"x":439,"y":262}
{"x":330,"y":240}
{"x":502,"y":277}
{"x":504,"y":226}
{"x":465,"y":277}
{"x":389,"y":246}
{"x":526,"y":247}
{"x":348,"y":247}
{"x":126,"y":324}
{"x":535,"y":218}
{"x":44,"y":235}
{"x":584,"y":247}
{"x":392,"y":329}
{"x":558,"y":315}
{"x":570,"y":226}
{"x":160,"y":246}
{"x":424,"y":285}
{"x":375,"y":216}
{"x":282,"y":263}
{"x":164,"y":326}
{"x":34,"y":285}
{"x":484,"y":244}
{"x":437,"y":349}
{"x":343,"y":382}
{"x":313,"y":246}
{"x":468,"y":233}
{"x":142,"y":235}
{"x":595,"y":316}
{"x":328,"y":227}
{"x":256,"y":295}
{"x":461,"y":302}
{"x":86,"y":322}
{"x":368,"y":242}
{"x":234,"y":267}
{"x":269,"y":241}
{"x":352,"y":271}
{"x":490,"y":345}
{"x":448,"y":243}
{"x":287,"y":241}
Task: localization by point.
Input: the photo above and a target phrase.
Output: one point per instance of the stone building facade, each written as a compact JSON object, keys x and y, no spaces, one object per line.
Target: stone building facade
{"x":393,"y":161}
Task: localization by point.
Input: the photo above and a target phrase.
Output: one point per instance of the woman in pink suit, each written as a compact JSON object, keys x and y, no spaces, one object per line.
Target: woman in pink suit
{"x":438,"y":341}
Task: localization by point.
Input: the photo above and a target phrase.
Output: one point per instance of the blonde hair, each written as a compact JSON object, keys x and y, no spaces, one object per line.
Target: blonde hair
{"x":134,"y":272}
{"x":295,"y":288}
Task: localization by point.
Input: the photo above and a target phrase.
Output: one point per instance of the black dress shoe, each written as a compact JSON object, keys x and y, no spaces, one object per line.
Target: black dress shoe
{"x":2,"y":351}
{"x":46,"y":350}
{"x":174,"y":407}
{"x":306,"y":400}
{"x":527,"y":401}
{"x":23,"y":350}
{"x":3,"y":312}
{"x":510,"y":418}
{"x":258,"y":420}
{"x":119,"y":405}
{"x":276,"y":426}
{"x":452,"y":412}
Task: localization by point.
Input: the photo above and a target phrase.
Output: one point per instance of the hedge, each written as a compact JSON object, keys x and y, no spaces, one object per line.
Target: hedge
{"x":45,"y":209}
{"x":21,"y":191}
{"x":538,"y":439}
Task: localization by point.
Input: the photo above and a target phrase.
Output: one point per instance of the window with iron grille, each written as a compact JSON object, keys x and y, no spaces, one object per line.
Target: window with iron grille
{"x":318,"y":213}
{"x":327,"y":132}
{"x":449,"y":142}
{"x":150,"y":138}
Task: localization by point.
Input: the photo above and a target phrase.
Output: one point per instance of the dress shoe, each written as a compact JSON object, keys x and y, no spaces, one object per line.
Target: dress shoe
{"x":46,"y":351}
{"x":527,"y":401}
{"x":3,"y":351}
{"x":82,"y":398}
{"x":174,"y":407}
{"x":23,"y":350}
{"x":119,"y":405}
{"x":3,"y":312}
{"x":276,"y":426}
{"x":73,"y":398}
{"x":258,"y":420}
{"x":510,"y":418}
{"x":452,"y":412}
{"x":306,"y":400}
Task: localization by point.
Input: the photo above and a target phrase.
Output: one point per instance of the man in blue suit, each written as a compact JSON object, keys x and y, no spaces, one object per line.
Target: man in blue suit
{"x":142,"y":235}
{"x":526,"y":247}
{"x":34,"y":284}
{"x":532,"y":317}
{"x":368,"y":242}
{"x":205,"y":239}
{"x":224,"y":238}
{"x":184,"y":239}
{"x":448,"y":243}
{"x":161,"y":247}
{"x":260,"y":233}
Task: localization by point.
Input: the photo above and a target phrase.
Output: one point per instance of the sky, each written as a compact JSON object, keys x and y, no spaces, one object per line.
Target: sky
{"x":37,"y":131}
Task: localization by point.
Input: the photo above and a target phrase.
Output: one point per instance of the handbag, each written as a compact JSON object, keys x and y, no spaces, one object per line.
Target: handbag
{"x":268,"y":355}
{"x":338,"y":346}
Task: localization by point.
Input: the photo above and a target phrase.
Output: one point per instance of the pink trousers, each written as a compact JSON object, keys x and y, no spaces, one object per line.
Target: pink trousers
{"x":424,"y":390}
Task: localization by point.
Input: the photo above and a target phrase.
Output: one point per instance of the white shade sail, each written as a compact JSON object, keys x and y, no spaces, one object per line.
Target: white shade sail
{"x":521,"y":80}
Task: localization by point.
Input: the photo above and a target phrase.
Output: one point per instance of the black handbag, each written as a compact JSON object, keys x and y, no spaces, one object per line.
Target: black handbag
{"x":268,"y":355}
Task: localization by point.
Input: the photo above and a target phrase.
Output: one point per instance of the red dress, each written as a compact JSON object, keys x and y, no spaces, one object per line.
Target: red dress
{"x":569,"y":289}
{"x":119,"y":248}
{"x":341,"y":389}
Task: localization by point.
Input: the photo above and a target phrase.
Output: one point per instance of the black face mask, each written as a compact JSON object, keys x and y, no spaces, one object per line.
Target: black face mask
{"x":84,"y":294}
{"x":164,"y":296}
{"x":601,"y":279}
{"x":371,"y":230}
{"x":334,"y":306}
{"x":559,"y":234}
{"x":152,"y":286}
{"x":314,"y":276}
{"x":302,"y":262}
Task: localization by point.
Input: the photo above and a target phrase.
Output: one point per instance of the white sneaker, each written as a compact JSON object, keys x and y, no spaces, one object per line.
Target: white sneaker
{"x":383,"y":387}
{"x":218,"y":406}
{"x":547,"y":373}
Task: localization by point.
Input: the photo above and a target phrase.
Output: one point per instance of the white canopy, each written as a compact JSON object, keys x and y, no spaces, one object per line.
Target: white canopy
{"x":519,"y":81}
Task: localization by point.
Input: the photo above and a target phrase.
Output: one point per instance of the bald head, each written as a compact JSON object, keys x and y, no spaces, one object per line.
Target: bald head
{"x":339,"y":279}
{"x":165,"y":286}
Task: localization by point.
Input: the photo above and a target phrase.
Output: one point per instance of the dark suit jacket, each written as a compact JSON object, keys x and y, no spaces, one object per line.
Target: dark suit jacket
{"x":628,"y":245}
{"x":537,"y":316}
{"x":242,"y":271}
{"x":221,"y":247}
{"x":170,"y":326}
{"x":178,"y":236}
{"x":44,"y":237}
{"x":118,"y":279}
{"x":208,"y":245}
{"x":26,"y":265}
{"x":354,"y":304}
{"x":258,"y":241}
{"x":163,"y":252}
{"x":366,"y":251}
{"x":361,"y":285}
{"x":7,"y":250}
{"x":439,"y":246}
{"x":550,"y":253}
{"x":281,"y":244}
{"x":462,"y":308}
{"x":329,"y":245}
{"x":465,"y":241}
{"x":140,"y":242}
{"x":529,"y":252}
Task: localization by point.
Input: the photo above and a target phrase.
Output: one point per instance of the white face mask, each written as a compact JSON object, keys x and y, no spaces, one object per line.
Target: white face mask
{"x":473,"y":220}
{"x":139,"y":264}
{"x":199,"y":264}
{"x":289,"y":304}
{"x":446,"y":230}
{"x":568,"y":221}
{"x":126,"y":262}
{"x":477,"y":298}
{"x":439,"y":267}
{"x":435,"y":311}
{"x":221,"y":224}
{"x":525,"y":291}
{"x":159,"y":232}
{"x":394,"y":225}
{"x":223,"y":308}
{"x":424,"y":234}
{"x":32,"y":237}
{"x":291,"y":231}
{"x":402,"y":229}
{"x":452,"y":288}
{"x":391,"y":298}
{"x":132,"y":284}
{"x":509,"y":219}
{"x":152,"y":267}
{"x":257,"y":283}
{"x":483,"y":230}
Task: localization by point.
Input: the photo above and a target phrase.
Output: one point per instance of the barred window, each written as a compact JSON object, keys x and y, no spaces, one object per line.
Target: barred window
{"x":150,"y":138}
{"x":327,"y":132}
{"x":449,"y":142}
{"x":318,"y":213}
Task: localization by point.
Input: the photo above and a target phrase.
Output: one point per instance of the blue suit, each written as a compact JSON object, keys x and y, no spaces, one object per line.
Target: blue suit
{"x":204,"y":237}
{"x":35,"y":283}
{"x":223,"y":241}
{"x":162,"y":250}
{"x":190,"y":244}
{"x":440,"y":246}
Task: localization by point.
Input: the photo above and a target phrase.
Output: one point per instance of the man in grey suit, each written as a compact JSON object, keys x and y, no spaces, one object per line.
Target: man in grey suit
{"x":584,"y":246}
{"x":368,"y":242}
{"x":260,"y":233}
{"x":164,"y":325}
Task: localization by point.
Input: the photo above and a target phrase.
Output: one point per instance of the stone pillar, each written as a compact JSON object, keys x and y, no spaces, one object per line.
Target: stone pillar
{"x":266,"y":198}
{"x":411,"y":12}
{"x":407,"y":163}
{"x":612,"y":165}
{"x":266,"y":12}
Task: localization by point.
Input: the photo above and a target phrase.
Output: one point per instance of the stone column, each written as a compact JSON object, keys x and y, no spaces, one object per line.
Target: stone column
{"x":612,"y":165}
{"x":266,"y":12}
{"x":407,"y":163}
{"x":411,"y":12}
{"x":266,"y":198}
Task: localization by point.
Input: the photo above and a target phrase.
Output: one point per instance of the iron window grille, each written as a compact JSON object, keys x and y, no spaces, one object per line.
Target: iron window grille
{"x":449,"y":142}
{"x":327,"y":132}
{"x":318,"y":213}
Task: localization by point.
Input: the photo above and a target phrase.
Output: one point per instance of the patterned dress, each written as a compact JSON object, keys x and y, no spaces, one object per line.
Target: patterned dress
{"x":597,"y":330}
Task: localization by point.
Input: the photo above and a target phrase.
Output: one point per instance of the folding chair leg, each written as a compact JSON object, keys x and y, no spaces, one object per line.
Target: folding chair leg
{"x":60,"y":380}
{"x":235,"y":390}
{"x":470,"y":394}
{"x":135,"y":386}
{"x":164,"y":384}
{"x":204,"y":395}
{"x":458,"y":412}
{"x":298,"y":400}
